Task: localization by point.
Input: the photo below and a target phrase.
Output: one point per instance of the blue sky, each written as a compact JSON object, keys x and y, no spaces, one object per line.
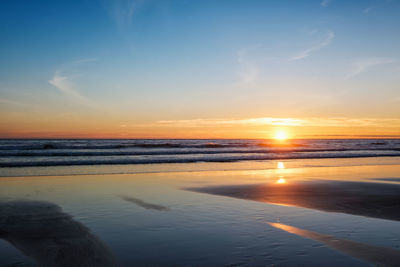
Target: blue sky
{"x":141,"y":62}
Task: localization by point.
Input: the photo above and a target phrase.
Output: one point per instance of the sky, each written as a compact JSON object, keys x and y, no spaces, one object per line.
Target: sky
{"x":199,"y":69}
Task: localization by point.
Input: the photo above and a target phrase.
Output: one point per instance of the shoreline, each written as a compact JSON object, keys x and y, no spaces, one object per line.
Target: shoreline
{"x":116,"y":169}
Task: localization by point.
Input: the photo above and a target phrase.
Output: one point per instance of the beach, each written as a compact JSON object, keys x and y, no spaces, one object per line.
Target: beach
{"x":281,"y":212}
{"x":199,"y":133}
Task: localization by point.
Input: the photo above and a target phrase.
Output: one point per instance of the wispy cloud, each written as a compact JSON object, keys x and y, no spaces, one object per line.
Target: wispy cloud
{"x":220,"y":122}
{"x":367,"y":10}
{"x":5,"y":101}
{"x":121,"y":11}
{"x":249,"y":69}
{"x":365,"y":64}
{"x":394,"y":100}
{"x":269,"y":121}
{"x":307,"y":52}
{"x":63,"y":82}
{"x":325,"y":3}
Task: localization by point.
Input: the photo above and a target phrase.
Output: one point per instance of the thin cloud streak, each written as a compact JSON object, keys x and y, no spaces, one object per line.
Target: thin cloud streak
{"x":325,"y":42}
{"x":65,"y":86}
{"x":363,"y":65}
{"x":325,"y":3}
{"x":5,"y":101}
{"x":221,"y":122}
{"x":121,"y":11}
{"x":393,"y":100}
{"x":63,"y":82}
{"x":268,"y":121}
{"x":250,"y":71}
{"x":367,"y":10}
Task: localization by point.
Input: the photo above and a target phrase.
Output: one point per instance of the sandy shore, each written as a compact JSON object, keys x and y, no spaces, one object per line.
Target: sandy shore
{"x":42,"y":231}
{"x":146,"y":219}
{"x":358,"y":198}
{"x":377,"y":256}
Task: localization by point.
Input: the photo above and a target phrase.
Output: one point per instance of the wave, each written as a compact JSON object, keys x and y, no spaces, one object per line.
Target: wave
{"x":274,"y":156}
{"x":50,"y":146}
{"x":41,"y":153}
{"x":16,"y":153}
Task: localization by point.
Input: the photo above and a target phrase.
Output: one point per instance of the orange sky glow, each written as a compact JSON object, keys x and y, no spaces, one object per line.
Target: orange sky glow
{"x":257,"y":128}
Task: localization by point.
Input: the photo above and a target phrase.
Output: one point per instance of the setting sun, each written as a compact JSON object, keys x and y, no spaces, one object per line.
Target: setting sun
{"x":280,"y":135}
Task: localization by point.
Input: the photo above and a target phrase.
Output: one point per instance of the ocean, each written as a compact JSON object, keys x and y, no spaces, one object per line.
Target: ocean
{"x":70,"y":152}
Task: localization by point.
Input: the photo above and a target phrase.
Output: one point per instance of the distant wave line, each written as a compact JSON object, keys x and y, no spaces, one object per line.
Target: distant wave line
{"x":192,"y":160}
{"x":40,"y":153}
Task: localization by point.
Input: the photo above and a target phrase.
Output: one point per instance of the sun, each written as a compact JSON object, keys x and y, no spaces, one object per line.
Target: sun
{"x":281,"y":135}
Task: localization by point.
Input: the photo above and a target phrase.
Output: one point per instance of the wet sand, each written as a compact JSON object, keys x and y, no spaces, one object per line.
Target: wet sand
{"x":42,"y":231}
{"x":148,"y":220}
{"x":376,"y":200}
{"x":143,"y":204}
{"x":377,"y":256}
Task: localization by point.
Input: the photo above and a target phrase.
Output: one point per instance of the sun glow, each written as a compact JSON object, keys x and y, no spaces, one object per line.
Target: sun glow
{"x":281,"y":181}
{"x":280,"y":135}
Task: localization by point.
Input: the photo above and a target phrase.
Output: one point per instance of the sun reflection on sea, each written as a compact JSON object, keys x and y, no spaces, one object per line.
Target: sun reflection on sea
{"x":280,"y":165}
{"x":281,"y":180}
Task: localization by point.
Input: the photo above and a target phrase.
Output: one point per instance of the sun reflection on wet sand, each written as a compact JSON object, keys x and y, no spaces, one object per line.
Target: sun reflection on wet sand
{"x":375,"y":255}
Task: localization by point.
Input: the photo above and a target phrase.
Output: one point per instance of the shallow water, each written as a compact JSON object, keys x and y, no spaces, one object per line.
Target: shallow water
{"x":152,"y":219}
